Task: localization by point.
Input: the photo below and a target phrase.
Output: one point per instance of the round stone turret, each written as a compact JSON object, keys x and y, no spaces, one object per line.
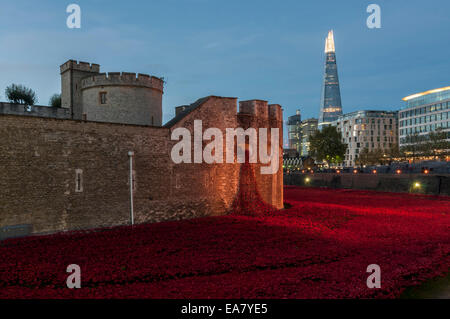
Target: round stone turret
{"x":123,"y":98}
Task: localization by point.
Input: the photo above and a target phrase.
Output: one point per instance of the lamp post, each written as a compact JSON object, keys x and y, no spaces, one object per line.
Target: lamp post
{"x":130,"y":156}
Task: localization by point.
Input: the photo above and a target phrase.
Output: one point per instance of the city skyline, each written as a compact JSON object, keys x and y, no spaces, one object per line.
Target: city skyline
{"x":228,"y":52}
{"x":206,"y":151}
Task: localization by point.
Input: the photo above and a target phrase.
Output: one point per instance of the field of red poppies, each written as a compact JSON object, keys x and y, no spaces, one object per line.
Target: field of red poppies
{"x":319,"y":247}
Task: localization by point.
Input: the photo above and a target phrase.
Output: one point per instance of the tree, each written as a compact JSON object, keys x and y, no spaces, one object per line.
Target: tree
{"x":413,"y":145}
{"x":326,"y":145}
{"x":377,"y":156}
{"x":55,"y":100}
{"x":308,"y":163}
{"x":394,"y":153}
{"x":364,"y":157}
{"x":19,"y":94}
{"x":436,"y":144}
{"x":373,"y":157}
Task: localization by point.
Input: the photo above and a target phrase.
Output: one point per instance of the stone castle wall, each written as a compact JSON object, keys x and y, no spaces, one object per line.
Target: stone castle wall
{"x":41,"y":157}
{"x":34,"y":110}
{"x":129,"y":98}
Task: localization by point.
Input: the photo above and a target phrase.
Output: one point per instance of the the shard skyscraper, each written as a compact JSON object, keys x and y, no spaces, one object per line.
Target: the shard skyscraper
{"x":330,"y":107}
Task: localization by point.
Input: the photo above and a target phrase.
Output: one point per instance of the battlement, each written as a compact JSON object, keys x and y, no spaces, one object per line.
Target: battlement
{"x":80,"y":66}
{"x":124,"y":78}
{"x":275,"y":112}
{"x":256,"y":108}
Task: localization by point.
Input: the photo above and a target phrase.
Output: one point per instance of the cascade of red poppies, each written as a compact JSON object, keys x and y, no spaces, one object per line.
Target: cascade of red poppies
{"x":320,"y":247}
{"x":248,"y":200}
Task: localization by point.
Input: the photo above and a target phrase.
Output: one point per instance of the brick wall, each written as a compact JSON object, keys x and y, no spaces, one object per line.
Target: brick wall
{"x":40,"y":157}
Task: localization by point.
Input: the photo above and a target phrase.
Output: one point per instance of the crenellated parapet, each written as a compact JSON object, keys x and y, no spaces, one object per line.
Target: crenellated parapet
{"x":275,"y":112}
{"x":79,"y":66}
{"x":256,"y":108}
{"x":252,"y":112}
{"x":123,"y":79}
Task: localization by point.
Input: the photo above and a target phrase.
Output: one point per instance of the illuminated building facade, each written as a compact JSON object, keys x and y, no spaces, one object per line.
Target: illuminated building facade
{"x":424,"y":113}
{"x":366,"y":129}
{"x":308,"y":127}
{"x":294,"y":131}
{"x":330,"y":107}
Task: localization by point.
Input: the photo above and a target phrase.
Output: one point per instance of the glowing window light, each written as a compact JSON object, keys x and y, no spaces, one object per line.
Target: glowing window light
{"x":425,"y":93}
{"x":329,"y":43}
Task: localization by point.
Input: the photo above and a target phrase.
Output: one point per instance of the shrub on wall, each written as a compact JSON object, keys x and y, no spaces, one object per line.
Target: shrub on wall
{"x":55,"y":100}
{"x":19,"y":94}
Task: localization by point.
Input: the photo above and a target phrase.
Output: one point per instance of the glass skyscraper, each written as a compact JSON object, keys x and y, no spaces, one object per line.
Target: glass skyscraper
{"x":308,"y":128}
{"x":330,"y":107}
{"x":294,"y":132}
{"x":424,"y":113}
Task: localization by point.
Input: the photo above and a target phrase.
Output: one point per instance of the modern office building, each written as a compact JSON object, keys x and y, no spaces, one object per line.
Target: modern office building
{"x":366,"y":129}
{"x":330,"y":107}
{"x":308,"y":127}
{"x":294,"y":133}
{"x":424,"y":113}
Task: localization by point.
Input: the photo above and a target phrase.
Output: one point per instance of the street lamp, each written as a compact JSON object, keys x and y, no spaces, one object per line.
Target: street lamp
{"x":130,"y":156}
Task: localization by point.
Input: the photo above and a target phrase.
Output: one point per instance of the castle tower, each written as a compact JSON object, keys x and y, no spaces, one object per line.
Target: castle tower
{"x":72,"y":72}
{"x":115,"y":97}
{"x":267,"y":187}
{"x":330,"y":107}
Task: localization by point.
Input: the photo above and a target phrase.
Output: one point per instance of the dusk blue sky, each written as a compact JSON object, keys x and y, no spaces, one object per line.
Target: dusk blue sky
{"x":247,"y":49}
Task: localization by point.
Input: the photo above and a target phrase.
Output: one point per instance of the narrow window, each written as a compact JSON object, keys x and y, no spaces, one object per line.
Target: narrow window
{"x":102,"y":96}
{"x":84,"y":117}
{"x":78,"y":180}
